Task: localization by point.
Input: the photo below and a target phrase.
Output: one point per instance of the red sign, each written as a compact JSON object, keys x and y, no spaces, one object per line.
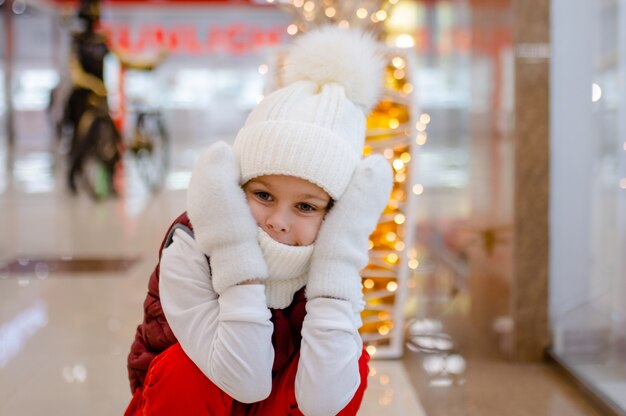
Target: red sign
{"x":233,"y":39}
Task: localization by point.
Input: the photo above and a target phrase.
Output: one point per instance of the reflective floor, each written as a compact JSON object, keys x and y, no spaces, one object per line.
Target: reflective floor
{"x":66,"y":325}
{"x":457,"y":354}
{"x":71,"y":300}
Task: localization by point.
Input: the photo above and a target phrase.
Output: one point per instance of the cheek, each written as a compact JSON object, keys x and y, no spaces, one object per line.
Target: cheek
{"x":318,"y":225}
{"x":257,"y":210}
{"x":310,"y":230}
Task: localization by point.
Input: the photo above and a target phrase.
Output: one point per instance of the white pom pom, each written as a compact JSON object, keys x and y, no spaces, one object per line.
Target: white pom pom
{"x":347,"y":57}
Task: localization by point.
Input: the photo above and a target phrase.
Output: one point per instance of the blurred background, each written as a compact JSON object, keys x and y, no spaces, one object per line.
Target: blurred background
{"x":497,"y":281}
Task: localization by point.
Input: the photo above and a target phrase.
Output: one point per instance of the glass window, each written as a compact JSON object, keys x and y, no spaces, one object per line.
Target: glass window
{"x":590,"y":329}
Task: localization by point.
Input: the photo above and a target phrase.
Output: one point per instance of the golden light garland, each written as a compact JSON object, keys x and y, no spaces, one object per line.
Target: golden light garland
{"x":395,"y":130}
{"x":308,"y":14}
{"x":392,"y":132}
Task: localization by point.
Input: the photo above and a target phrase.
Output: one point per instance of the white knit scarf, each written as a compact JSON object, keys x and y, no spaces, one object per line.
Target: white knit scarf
{"x":288,"y":268}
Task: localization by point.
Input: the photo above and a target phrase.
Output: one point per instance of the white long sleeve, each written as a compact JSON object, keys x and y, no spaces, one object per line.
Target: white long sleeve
{"x":229,"y":336}
{"x":328,"y":371}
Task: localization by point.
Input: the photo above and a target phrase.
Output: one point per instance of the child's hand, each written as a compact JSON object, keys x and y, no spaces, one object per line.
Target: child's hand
{"x":223,"y":224}
{"x":342,"y":244}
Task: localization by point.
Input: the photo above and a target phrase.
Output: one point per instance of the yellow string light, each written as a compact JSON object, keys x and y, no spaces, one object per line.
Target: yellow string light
{"x":398,"y":164}
{"x":392,"y":286}
{"x":398,"y":62}
{"x":398,"y":74}
{"x":368,"y":283}
{"x":392,"y":258}
{"x":292,"y":29}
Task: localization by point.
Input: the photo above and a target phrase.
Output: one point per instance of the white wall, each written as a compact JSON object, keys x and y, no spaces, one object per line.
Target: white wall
{"x":571,"y":154}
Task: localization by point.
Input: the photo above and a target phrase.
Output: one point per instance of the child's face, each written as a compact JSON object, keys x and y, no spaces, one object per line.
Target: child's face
{"x":289,"y":209}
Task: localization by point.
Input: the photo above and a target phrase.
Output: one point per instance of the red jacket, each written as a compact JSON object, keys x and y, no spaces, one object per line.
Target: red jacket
{"x":154,"y":335}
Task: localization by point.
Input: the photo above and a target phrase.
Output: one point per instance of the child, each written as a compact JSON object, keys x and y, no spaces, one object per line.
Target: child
{"x":263,"y":292}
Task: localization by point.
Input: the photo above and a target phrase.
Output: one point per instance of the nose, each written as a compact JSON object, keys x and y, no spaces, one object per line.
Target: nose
{"x":278,"y":221}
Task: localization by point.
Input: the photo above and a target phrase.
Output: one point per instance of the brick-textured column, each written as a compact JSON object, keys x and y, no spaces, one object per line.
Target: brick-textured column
{"x":529,"y":291}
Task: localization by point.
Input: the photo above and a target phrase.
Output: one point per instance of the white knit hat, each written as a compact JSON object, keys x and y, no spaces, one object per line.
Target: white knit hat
{"x":314,"y":127}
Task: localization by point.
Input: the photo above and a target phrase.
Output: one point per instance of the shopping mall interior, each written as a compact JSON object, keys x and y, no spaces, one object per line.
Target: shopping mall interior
{"x":496,"y":287}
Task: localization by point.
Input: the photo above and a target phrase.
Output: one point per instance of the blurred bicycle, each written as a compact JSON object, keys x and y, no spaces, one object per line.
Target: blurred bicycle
{"x":150,"y":147}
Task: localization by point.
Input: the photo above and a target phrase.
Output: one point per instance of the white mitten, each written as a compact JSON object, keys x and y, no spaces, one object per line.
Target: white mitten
{"x":223,"y":224}
{"x":341,"y":248}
